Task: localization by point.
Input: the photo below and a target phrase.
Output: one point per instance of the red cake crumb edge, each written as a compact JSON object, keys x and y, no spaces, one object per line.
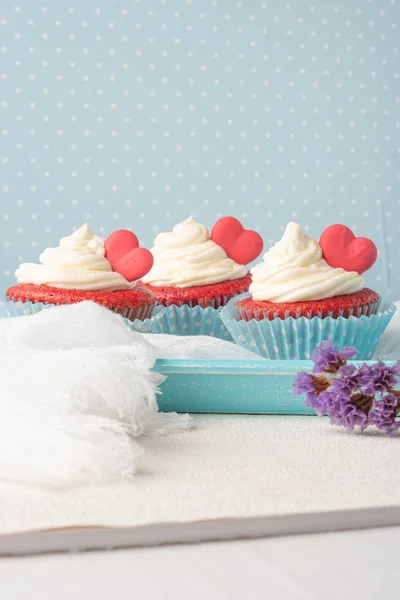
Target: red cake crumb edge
{"x":122,"y":299}
{"x":362,"y":302}
{"x":215,"y":294}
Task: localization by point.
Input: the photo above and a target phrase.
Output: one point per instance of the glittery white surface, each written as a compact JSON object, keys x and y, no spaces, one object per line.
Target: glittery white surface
{"x":229,"y":466}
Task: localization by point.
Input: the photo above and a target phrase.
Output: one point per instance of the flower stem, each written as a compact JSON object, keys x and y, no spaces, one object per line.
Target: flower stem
{"x":334,"y":367}
{"x":363,"y":402}
{"x":397,"y":394}
{"x":321,"y":384}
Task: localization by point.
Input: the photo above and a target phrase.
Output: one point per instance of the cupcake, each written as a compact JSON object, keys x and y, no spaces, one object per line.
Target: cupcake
{"x":297,"y":298}
{"x":195,"y":274}
{"x":78,"y":270}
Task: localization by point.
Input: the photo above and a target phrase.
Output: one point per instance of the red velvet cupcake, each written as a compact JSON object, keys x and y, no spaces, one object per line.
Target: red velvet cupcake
{"x":194,"y":272}
{"x":298,"y":299}
{"x":194,"y":269}
{"x":214,"y":295}
{"x":78,"y":271}
{"x":364,"y":302}
{"x":132,"y":304}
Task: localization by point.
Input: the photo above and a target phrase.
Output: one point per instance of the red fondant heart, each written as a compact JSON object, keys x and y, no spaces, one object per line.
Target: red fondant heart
{"x":125,"y":256}
{"x":241,"y":245}
{"x":340,"y":248}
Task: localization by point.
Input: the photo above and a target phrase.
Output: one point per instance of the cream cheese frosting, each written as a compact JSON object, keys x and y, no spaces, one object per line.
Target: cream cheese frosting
{"x":77,"y":263}
{"x":187,"y":257}
{"x":293,"y":270}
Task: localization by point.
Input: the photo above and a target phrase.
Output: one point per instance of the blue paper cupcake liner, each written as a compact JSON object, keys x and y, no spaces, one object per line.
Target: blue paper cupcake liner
{"x":11,"y":308}
{"x":295,"y":339}
{"x":187,"y":320}
{"x":147,"y":325}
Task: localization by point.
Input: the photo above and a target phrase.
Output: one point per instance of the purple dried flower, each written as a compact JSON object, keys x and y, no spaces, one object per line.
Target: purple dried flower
{"x":344,"y":386}
{"x":328,"y":360}
{"x":347,"y":352}
{"x":353,"y":417}
{"x":349,"y":410}
{"x":349,"y":371}
{"x":315,"y":388}
{"x":351,"y":396}
{"x":365,"y":370}
{"x":318,"y":402}
{"x":347,"y":382}
{"x":364,"y":374}
{"x":385,"y":412}
{"x":303,"y":384}
{"x":379,"y":378}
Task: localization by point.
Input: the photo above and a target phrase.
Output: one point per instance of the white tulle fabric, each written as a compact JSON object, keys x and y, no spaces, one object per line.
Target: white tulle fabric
{"x":197,"y":347}
{"x":76,"y":389}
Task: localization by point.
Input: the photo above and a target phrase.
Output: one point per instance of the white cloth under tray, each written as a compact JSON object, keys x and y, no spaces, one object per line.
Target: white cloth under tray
{"x":76,"y":389}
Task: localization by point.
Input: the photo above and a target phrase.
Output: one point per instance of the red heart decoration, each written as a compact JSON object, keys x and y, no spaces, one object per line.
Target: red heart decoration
{"x":340,"y":248}
{"x":241,"y":245}
{"x":126,"y":258}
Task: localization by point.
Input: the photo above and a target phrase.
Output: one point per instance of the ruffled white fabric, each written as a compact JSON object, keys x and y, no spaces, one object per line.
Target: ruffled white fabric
{"x":197,"y":347}
{"x":76,"y":389}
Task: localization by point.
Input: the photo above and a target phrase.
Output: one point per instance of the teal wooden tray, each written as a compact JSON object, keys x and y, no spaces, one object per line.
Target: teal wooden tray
{"x":256,"y":387}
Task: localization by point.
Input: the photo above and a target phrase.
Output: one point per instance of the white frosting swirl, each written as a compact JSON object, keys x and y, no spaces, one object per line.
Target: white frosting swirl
{"x":293,"y":271}
{"x":187,"y":257}
{"x":78,"y":263}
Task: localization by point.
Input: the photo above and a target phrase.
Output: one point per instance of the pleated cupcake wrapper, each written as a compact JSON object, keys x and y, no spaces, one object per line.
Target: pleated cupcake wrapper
{"x":135,"y":313}
{"x":148,"y":325}
{"x":193,"y":320}
{"x":135,"y":318}
{"x":295,"y":339}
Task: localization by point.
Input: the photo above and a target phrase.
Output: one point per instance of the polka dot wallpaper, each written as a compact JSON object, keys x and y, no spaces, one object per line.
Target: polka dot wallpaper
{"x":137,"y":113}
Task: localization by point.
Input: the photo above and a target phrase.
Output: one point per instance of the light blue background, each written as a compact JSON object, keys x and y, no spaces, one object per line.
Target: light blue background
{"x":135,"y":114}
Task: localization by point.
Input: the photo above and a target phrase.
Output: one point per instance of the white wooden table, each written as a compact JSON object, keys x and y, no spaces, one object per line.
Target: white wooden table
{"x":362,"y":564}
